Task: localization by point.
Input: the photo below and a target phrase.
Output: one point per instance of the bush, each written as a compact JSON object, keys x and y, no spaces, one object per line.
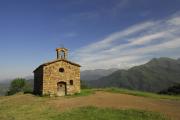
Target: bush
{"x":173,"y":90}
{"x":19,"y":85}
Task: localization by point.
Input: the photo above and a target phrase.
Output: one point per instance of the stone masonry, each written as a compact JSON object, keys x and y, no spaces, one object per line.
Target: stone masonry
{"x":57,"y":78}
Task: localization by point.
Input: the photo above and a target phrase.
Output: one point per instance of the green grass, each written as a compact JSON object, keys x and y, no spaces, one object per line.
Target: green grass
{"x":29,"y":107}
{"x":84,"y":92}
{"x":25,"y":107}
{"x":93,"y":113}
{"x":140,"y":93}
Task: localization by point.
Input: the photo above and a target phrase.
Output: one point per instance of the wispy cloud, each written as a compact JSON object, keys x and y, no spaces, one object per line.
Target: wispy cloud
{"x":71,"y":34}
{"x":134,"y":45}
{"x":121,"y":4}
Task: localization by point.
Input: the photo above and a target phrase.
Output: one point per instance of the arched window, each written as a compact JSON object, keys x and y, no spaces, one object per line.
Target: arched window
{"x":71,"y":82}
{"x":61,"y":69}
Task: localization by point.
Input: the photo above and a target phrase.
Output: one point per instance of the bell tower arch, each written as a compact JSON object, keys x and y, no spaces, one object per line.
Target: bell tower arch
{"x":62,"y":53}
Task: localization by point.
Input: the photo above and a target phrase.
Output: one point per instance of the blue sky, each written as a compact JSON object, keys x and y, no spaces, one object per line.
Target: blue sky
{"x":99,"y":33}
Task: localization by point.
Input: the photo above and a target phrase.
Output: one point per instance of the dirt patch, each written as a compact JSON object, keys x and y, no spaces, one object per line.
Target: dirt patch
{"x":170,"y":108}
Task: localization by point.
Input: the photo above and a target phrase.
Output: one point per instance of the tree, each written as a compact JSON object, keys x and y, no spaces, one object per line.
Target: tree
{"x":173,"y":90}
{"x":17,"y":85}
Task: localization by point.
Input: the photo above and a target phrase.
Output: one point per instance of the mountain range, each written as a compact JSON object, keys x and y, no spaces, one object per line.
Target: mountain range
{"x":96,"y":74}
{"x":156,"y":75}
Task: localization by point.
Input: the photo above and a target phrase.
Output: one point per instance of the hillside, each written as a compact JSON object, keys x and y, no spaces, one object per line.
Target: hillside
{"x":156,"y":75}
{"x":96,"y":74}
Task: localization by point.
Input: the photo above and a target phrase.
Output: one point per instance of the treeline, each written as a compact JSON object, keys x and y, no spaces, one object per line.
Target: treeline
{"x":173,"y":90}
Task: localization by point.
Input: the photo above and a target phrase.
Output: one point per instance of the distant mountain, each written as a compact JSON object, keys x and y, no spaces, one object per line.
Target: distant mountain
{"x":154,"y":76}
{"x":96,"y":74}
{"x":4,"y":85}
{"x":30,"y":77}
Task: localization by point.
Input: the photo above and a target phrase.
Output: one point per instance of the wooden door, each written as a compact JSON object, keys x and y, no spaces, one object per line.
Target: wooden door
{"x":61,"y":89}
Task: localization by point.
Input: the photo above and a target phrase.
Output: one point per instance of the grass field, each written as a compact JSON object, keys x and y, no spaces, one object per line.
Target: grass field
{"x":27,"y":107}
{"x":94,"y":113}
{"x":30,"y":107}
{"x":86,"y":92}
{"x":139,"y":93}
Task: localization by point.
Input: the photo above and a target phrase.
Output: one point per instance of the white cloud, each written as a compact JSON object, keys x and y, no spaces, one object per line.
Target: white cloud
{"x":175,"y":21}
{"x":105,"y":43}
{"x":148,"y":38}
{"x":132,"y":46}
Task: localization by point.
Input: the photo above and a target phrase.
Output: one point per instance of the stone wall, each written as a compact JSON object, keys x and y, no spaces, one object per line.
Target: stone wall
{"x":52,"y":75}
{"x":38,"y":80}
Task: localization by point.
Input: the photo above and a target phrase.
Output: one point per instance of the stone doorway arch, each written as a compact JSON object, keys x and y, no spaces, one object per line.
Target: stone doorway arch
{"x":61,"y":88}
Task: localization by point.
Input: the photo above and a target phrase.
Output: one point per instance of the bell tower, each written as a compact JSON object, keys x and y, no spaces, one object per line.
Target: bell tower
{"x":62,"y":53}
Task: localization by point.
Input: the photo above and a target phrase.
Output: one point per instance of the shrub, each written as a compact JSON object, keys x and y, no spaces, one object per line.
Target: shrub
{"x":19,"y":85}
{"x":173,"y":90}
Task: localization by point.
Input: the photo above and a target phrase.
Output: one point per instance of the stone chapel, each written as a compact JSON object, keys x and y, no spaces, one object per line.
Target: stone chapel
{"x":59,"y":77}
